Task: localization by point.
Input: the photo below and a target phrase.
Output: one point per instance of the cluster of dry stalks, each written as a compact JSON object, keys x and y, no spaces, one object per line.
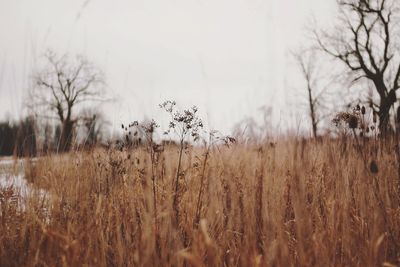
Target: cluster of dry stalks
{"x":290,"y":203}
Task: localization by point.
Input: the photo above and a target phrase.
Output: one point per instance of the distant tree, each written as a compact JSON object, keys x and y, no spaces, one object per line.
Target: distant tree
{"x":62,"y":85}
{"x":255,"y":129}
{"x":25,"y":144}
{"x":18,"y":139}
{"x":47,"y":135}
{"x":315,"y":86}
{"x":57,"y":137}
{"x":94,"y":124}
{"x":8,"y":133}
{"x":366,"y":40}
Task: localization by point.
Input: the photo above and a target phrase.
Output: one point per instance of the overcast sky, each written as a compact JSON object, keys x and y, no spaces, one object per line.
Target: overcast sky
{"x":229,"y":57}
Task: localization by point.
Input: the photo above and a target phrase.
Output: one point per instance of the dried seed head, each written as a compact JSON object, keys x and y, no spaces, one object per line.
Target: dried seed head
{"x":349,"y":118}
{"x":373,"y":167}
{"x":353,"y":122}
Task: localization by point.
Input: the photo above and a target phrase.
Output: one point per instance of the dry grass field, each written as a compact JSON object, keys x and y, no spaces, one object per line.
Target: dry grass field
{"x":289,"y":203}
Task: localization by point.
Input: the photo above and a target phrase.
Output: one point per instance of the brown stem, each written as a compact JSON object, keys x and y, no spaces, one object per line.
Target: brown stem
{"x":201,"y":190}
{"x":176,"y":193}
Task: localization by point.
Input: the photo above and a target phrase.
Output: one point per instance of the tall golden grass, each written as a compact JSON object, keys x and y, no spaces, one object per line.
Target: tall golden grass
{"x":290,"y":203}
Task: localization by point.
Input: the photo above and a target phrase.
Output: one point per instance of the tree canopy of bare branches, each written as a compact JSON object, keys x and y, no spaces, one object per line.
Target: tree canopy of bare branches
{"x":366,"y":41}
{"x":64,"y":84}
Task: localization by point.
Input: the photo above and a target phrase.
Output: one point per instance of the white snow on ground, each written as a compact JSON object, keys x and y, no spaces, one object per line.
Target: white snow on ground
{"x":17,"y":180}
{"x":10,"y":161}
{"x":7,"y":161}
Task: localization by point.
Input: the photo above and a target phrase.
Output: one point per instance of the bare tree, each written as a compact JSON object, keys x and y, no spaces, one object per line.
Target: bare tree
{"x":307,"y":63}
{"x":62,"y":85}
{"x":366,"y":41}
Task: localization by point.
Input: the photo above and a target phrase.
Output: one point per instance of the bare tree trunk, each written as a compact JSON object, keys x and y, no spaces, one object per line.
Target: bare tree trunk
{"x":384,"y":109}
{"x":312,"y":112}
{"x":66,"y":135}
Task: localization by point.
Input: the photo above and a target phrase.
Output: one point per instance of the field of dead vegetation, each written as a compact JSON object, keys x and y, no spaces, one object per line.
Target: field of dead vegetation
{"x":288,"y":203}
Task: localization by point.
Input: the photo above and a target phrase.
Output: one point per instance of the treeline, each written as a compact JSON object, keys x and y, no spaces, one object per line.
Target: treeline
{"x":18,"y":138}
{"x":29,"y":137}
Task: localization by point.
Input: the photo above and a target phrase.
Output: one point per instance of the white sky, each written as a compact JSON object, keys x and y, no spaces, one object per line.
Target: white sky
{"x":229,"y":57}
